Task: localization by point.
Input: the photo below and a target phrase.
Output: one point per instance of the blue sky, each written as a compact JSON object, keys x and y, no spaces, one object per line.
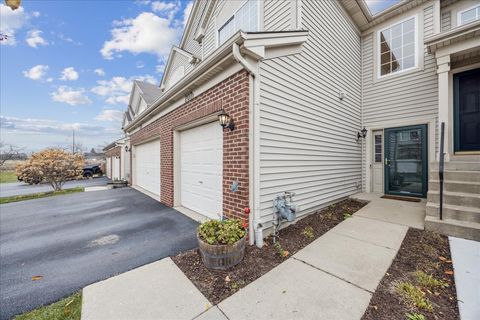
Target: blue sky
{"x":377,"y":6}
{"x":69,"y":65}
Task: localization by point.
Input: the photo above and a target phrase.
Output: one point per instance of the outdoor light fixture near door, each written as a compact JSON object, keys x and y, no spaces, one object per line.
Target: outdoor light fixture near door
{"x":226,"y":121}
{"x":127,"y":149}
{"x":361,"y":134}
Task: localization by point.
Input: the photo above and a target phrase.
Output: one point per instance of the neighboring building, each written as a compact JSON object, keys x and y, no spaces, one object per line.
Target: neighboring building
{"x":300,"y":80}
{"x":117,"y":160}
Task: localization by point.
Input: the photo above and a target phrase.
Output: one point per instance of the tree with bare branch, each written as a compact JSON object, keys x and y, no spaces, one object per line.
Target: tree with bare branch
{"x":8,"y":152}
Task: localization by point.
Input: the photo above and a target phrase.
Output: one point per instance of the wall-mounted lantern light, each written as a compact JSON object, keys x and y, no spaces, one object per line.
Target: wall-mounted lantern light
{"x":226,"y":121}
{"x":361,"y":134}
{"x":127,"y":149}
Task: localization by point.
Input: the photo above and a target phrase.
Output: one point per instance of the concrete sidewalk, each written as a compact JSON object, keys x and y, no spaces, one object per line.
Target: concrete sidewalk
{"x":332,"y":278}
{"x":466,"y":265}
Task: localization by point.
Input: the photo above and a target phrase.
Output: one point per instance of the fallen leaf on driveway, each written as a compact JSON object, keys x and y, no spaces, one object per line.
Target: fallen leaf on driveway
{"x":36,"y":278}
{"x":442,"y":258}
{"x":449,"y":272}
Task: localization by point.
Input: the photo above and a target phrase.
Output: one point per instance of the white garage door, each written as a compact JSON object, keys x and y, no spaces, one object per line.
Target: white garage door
{"x":147,"y":166}
{"x":201,"y":154}
{"x":115,"y":168}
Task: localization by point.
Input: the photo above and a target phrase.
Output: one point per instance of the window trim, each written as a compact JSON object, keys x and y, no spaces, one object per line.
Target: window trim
{"x":459,"y":14}
{"x":378,"y":49}
{"x":232,"y":17}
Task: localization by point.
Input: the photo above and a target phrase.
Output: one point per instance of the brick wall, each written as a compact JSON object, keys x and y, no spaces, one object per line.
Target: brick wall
{"x":230,"y":95}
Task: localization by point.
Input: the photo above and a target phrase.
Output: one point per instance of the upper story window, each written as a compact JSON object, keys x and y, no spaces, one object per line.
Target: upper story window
{"x":397,"y":47}
{"x":246,"y":19}
{"x":469,"y":15}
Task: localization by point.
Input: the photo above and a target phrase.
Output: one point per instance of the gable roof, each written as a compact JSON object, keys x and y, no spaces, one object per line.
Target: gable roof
{"x":149,"y":92}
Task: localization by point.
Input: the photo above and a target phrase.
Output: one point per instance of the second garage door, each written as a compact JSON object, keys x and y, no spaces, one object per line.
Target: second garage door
{"x":201,"y":153}
{"x":147,"y":166}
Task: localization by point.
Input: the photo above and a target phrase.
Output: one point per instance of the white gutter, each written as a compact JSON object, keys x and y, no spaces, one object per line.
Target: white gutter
{"x":254,"y":143}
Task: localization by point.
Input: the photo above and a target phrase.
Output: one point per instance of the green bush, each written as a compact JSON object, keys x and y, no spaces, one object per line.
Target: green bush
{"x":221,"y":232}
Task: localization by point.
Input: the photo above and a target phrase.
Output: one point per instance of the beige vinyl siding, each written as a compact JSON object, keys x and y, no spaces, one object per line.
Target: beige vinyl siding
{"x":446,"y":22}
{"x":307,"y":138}
{"x":192,"y":45}
{"x":402,"y":97}
{"x":210,"y":40}
{"x":278,"y":15}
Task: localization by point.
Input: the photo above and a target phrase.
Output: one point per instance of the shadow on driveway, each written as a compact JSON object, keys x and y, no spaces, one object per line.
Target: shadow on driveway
{"x":75,"y":240}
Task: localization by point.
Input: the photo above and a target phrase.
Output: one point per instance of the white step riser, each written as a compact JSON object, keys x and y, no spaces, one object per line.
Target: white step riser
{"x":463,"y":166}
{"x":455,"y":187}
{"x":457,"y":200}
{"x":454,"y":214}
{"x":443,"y":227}
{"x":470,"y":176}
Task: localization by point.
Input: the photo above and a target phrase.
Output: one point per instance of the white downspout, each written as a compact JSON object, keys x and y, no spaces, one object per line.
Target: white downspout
{"x":254,"y":142}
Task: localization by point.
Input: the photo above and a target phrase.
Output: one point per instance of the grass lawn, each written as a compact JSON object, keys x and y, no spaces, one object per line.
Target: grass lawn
{"x":40,"y":195}
{"x":8,"y":176}
{"x":69,"y":308}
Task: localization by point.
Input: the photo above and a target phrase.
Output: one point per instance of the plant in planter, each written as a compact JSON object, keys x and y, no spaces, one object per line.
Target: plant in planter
{"x":221,"y":243}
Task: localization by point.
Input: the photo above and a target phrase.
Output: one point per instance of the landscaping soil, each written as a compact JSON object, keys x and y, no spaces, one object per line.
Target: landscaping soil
{"x":430,"y":253}
{"x":218,"y":285}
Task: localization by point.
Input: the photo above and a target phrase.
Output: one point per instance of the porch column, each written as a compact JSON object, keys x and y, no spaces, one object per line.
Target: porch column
{"x":443,"y":68}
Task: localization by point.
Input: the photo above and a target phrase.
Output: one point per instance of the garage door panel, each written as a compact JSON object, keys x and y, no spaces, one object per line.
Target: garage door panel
{"x":147,"y":166}
{"x":201,"y":154}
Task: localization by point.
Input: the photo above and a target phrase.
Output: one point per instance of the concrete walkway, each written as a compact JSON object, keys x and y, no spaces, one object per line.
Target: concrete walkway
{"x":332,"y":278}
{"x":466,"y":265}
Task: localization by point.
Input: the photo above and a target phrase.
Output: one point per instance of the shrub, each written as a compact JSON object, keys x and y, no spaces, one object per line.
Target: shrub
{"x":221,"y":232}
{"x":52,"y":165}
{"x":415,"y":316}
{"x":308,"y":232}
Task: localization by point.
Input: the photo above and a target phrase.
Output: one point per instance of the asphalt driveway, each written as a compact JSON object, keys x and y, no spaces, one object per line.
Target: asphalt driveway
{"x":21,"y":188}
{"x":74,"y":240}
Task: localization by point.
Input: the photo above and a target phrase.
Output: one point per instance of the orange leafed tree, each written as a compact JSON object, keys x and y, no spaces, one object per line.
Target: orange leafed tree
{"x":54,"y":166}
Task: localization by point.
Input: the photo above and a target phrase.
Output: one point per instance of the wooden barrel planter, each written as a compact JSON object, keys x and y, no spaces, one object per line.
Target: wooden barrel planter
{"x":221,"y":256}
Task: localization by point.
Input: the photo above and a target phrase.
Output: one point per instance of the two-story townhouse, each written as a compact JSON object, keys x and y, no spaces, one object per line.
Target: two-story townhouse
{"x":294,"y":82}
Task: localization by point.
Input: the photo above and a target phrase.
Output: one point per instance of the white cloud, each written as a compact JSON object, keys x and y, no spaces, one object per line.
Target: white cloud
{"x":186,"y":12}
{"x":70,"y":96}
{"x":36,"y":14}
{"x":10,"y":22}
{"x":147,"y":33}
{"x":34,"y":38}
{"x":140,"y":64}
{"x":69,"y":74}
{"x":117,"y":89}
{"x":50,"y":79}
{"x":99,"y":72}
{"x":41,"y":133}
{"x":110,"y":115}
{"x":161,"y":6}
{"x":37,"y":72}
{"x":63,"y":37}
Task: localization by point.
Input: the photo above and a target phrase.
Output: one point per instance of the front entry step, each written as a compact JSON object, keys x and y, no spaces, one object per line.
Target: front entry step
{"x":455,"y":198}
{"x":455,"y":186}
{"x":454,"y":212}
{"x":462,"y":229}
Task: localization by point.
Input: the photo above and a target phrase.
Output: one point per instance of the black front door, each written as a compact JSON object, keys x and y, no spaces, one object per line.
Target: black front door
{"x":406,"y":161}
{"x":467,"y":110}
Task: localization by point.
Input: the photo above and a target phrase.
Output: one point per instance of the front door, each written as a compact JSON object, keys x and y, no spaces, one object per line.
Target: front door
{"x":467,"y":110}
{"x":406,"y":161}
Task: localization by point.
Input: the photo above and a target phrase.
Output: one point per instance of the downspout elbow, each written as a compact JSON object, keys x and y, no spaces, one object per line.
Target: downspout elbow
{"x":240,"y":59}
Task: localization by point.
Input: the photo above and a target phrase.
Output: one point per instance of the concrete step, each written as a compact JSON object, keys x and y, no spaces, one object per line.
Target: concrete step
{"x":455,"y":186}
{"x":457,"y":165}
{"x":462,"y":229}
{"x":455,"y":198}
{"x":453,"y":212}
{"x":466,"y":157}
{"x":457,"y":175}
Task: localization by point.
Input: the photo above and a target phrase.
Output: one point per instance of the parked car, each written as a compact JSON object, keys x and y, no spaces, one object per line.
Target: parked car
{"x":90,"y":170}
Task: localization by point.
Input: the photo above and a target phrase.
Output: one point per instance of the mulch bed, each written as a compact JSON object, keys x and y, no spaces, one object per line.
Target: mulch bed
{"x":218,"y":285}
{"x":430,"y":253}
